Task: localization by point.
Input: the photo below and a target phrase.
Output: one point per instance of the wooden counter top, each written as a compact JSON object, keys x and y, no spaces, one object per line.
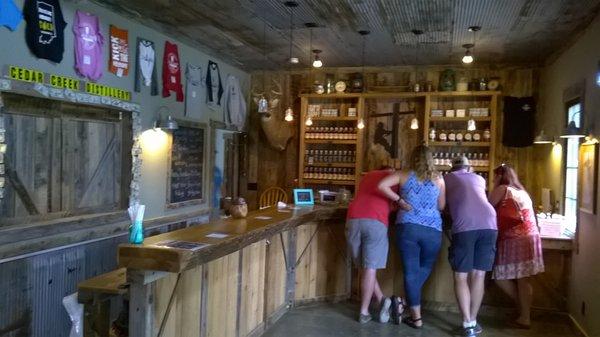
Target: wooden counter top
{"x":241,"y":233}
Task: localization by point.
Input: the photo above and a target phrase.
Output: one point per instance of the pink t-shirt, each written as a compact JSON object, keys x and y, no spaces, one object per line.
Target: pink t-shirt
{"x":88,"y":45}
{"x":369,"y":202}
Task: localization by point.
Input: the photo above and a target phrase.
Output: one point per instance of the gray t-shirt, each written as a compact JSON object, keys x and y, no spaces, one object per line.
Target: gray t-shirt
{"x":468,"y":204}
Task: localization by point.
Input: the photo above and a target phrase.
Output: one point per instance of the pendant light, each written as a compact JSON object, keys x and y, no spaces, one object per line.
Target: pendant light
{"x":289,"y":113}
{"x":263,"y":104}
{"x":361,"y":122}
{"x":572,"y":131}
{"x":468,"y":58}
{"x":414,"y":123}
{"x":542,"y":138}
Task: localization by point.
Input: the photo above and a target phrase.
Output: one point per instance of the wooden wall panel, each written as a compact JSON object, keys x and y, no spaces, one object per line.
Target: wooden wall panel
{"x":321,"y":272}
{"x":222,"y":296}
{"x":189,"y":301}
{"x":252,"y":288}
{"x":275,"y":275}
{"x":162,"y":293}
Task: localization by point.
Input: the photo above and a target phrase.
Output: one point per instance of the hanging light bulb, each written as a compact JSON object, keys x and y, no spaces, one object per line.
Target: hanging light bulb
{"x":263,"y":105}
{"x":361,"y":124}
{"x":289,"y":115}
{"x":317,"y":63}
{"x":471,"y":125}
{"x":414,"y":123}
{"x":468,"y":58}
{"x":308,"y":121}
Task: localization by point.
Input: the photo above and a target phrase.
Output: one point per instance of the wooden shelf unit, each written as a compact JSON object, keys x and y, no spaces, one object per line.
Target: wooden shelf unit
{"x":342,"y":102}
{"x":464,"y":100}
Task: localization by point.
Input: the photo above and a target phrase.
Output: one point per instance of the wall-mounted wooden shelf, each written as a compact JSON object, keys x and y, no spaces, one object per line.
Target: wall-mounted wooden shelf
{"x":465,"y":144}
{"x":475,"y":168}
{"x":459,"y":119}
{"x":331,"y":141}
{"x":335,"y":119}
{"x":328,"y":182}
{"x":342,"y":165}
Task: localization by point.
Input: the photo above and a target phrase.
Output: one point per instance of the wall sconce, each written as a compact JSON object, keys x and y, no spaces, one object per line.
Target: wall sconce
{"x":361,"y":124}
{"x":542,"y":138}
{"x":168,"y":124}
{"x":317,"y":63}
{"x":572,"y":131}
{"x":471,"y":126}
{"x":414,"y":123}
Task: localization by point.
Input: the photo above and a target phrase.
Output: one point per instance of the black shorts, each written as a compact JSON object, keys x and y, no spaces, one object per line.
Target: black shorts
{"x":473,"y":250}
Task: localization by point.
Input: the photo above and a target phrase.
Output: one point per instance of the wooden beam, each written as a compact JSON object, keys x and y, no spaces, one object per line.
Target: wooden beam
{"x":15,"y":181}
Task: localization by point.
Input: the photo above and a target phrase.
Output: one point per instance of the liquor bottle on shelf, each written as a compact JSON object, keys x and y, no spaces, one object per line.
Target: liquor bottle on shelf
{"x":468,"y":137}
{"x":476,"y":136}
{"x":443,"y":136}
{"x":459,"y":136}
{"x":451,"y":136}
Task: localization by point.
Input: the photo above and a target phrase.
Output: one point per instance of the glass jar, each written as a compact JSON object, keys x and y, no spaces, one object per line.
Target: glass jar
{"x":443,"y":136}
{"x":451,"y":136}
{"x":487,"y":135}
{"x":476,"y":136}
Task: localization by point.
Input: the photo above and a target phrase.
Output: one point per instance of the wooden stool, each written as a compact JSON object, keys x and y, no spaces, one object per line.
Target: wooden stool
{"x":95,"y":294}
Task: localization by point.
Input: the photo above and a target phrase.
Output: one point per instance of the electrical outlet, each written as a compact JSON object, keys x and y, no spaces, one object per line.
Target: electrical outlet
{"x":582,"y":308}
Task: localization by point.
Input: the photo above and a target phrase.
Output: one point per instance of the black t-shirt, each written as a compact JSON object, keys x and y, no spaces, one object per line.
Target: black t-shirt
{"x":45,"y":29}
{"x":519,"y":121}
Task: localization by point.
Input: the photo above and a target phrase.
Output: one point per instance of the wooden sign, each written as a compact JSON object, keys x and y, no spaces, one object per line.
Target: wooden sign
{"x":186,"y":165}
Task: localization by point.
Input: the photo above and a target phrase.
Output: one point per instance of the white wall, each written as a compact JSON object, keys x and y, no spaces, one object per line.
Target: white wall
{"x":14,"y":51}
{"x":577,"y":63}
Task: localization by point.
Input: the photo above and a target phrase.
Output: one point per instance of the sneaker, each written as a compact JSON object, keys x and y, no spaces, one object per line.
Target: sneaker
{"x":362,"y":319}
{"x":478,"y":329}
{"x":384,"y":311}
{"x":469,"y":332}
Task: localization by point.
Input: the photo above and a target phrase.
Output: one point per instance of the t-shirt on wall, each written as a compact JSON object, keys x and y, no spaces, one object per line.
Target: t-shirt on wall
{"x":145,"y":66}
{"x":193,"y":83}
{"x":88,"y":45}
{"x":119,"y":52}
{"x":44,"y":32}
{"x":172,"y":72}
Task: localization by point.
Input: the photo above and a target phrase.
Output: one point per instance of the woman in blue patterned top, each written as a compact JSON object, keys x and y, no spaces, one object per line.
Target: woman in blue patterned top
{"x":419,"y":224}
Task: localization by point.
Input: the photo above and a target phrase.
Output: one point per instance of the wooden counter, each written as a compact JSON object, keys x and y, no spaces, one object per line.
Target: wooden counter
{"x":240,"y":284}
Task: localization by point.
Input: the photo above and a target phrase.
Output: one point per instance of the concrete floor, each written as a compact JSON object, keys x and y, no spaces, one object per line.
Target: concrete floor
{"x":338,"y":320}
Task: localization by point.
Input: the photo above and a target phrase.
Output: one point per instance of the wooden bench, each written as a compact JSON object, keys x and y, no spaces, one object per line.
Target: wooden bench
{"x":96,"y":294}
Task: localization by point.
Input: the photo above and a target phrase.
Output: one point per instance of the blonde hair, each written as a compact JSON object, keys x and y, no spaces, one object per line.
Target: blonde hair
{"x":421,"y":162}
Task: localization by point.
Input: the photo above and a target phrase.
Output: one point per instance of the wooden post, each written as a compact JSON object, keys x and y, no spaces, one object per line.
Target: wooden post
{"x":141,"y":302}
{"x":290,"y":283}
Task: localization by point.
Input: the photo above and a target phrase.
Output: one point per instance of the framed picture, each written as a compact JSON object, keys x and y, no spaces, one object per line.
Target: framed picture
{"x":303,"y":196}
{"x":588,"y":177}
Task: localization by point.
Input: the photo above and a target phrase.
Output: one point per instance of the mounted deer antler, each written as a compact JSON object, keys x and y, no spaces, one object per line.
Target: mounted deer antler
{"x":278,"y":131}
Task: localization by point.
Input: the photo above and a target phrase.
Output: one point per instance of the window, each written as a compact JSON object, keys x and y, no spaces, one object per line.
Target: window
{"x":572,"y":163}
{"x":62,"y":159}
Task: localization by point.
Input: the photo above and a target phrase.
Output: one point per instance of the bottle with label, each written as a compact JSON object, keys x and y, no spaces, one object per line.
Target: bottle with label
{"x":451,"y":136}
{"x":468,"y":137}
{"x":486,"y":135}
{"x":476,"y":136}
{"x":432,"y":134}
{"x":443,"y":136}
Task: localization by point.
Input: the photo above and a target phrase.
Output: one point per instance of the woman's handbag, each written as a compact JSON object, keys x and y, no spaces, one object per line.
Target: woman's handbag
{"x":509,"y":213}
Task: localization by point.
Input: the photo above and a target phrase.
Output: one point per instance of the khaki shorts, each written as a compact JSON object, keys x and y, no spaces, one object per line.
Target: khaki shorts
{"x":368,"y":243}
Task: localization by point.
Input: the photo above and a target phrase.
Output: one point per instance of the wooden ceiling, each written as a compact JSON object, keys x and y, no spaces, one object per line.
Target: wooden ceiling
{"x":513,"y":31}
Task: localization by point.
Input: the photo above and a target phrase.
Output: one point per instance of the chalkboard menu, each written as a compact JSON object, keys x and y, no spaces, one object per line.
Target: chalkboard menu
{"x":186,"y":165}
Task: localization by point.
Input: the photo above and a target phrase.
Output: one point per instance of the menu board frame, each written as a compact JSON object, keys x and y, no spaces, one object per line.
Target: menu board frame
{"x":170,"y":203}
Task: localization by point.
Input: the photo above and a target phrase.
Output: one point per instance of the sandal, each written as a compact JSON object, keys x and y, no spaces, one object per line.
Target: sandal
{"x":412,"y":322}
{"x":397,"y":309}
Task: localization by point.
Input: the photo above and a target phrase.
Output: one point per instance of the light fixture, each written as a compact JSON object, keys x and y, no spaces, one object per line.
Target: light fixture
{"x":468,"y":58}
{"x":289,"y":113}
{"x":471,"y":125}
{"x":417,"y":33}
{"x":572,"y":131}
{"x":364,"y":34}
{"x":317,"y":63}
{"x":308,"y":121}
{"x":414,"y":123}
{"x":263,"y":104}
{"x":168,"y":124}
{"x":542,"y":138}
{"x":361,"y":124}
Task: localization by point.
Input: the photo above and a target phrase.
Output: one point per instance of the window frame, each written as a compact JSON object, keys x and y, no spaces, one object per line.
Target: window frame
{"x":569,"y":104}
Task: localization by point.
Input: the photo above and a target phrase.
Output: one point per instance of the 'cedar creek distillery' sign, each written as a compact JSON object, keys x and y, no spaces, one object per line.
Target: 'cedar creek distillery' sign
{"x":64,"y":82}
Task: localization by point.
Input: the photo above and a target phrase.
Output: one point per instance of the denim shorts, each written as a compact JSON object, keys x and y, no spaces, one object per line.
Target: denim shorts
{"x":368,"y":243}
{"x":474,"y":249}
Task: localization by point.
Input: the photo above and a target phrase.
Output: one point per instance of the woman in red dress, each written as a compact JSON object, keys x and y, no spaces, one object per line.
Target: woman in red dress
{"x":519,"y":251}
